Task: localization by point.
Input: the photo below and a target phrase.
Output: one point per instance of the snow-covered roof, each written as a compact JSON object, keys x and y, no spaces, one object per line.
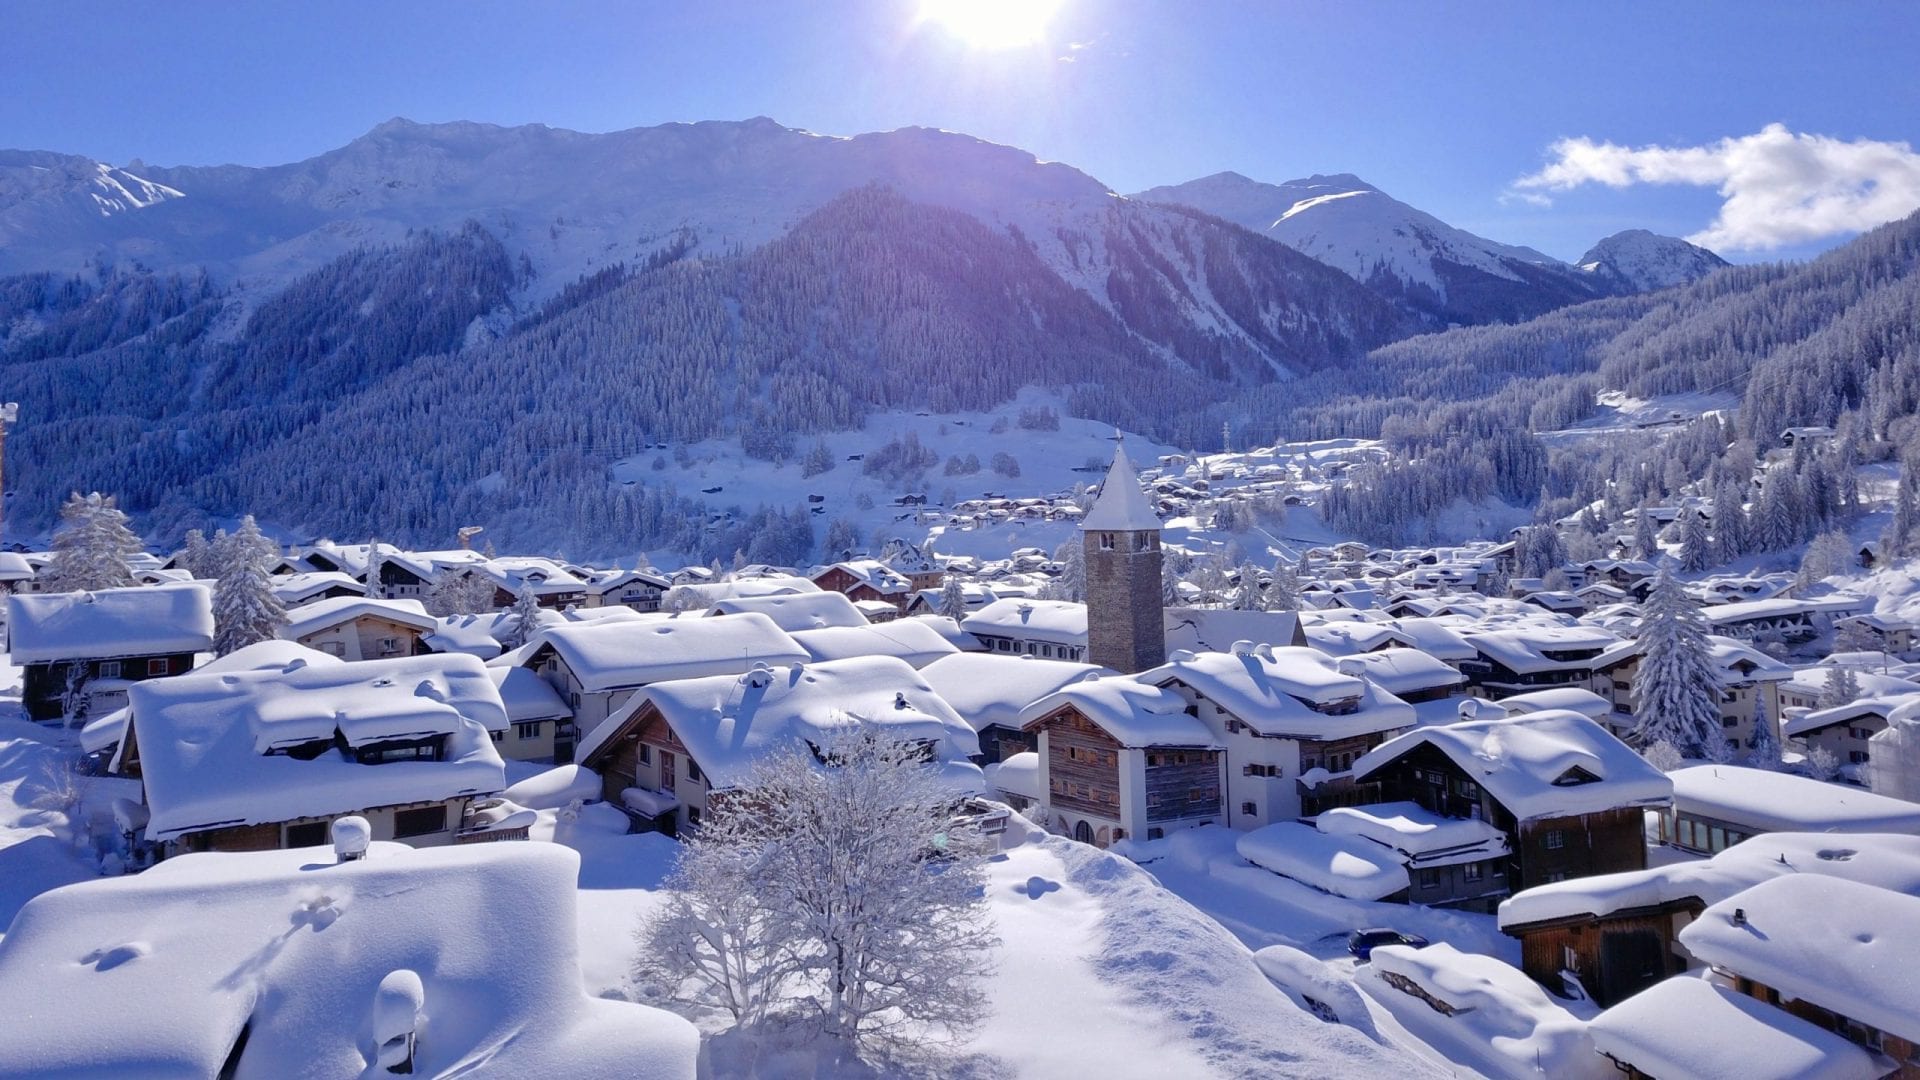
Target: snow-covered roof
{"x":469,"y":634}
{"x":729,"y":722}
{"x":1406,"y":671}
{"x":15,"y":567}
{"x":606,"y":581}
{"x":1783,"y":802}
{"x":1850,"y":948}
{"x":208,"y":742}
{"x":1422,"y":836}
{"x":1121,"y":505}
{"x":1018,"y":775}
{"x":1059,"y":622}
{"x":874,"y":574}
{"x":1568,"y":698}
{"x":994,"y":688}
{"x":1735,"y":661}
{"x":1134,"y":712}
{"x":1283,"y":691}
{"x":327,"y":614}
{"x":1216,"y":629}
{"x":145,"y":620}
{"x":915,"y":642}
{"x":298,"y":588}
{"x":1494,"y":1005}
{"x":1884,"y":860}
{"x":1349,"y":866}
{"x":711,"y":593}
{"x":1688,"y":1026}
{"x":796,"y":611}
{"x":609,"y":655}
{"x":526,"y":696}
{"x":1524,"y":649}
{"x":1544,"y":764}
{"x":1881,"y":707}
{"x":158,"y":975}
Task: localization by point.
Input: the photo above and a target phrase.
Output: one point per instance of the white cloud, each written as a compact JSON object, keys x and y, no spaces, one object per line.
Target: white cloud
{"x":1778,"y":188}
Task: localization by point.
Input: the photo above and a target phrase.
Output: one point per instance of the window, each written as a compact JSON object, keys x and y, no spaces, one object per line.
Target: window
{"x":109,"y":669}
{"x":1249,"y":809}
{"x":1471,"y":871}
{"x":527,"y":730}
{"x":1106,"y":541}
{"x":693,"y":770}
{"x":424,"y":821}
{"x":1729,"y":721}
{"x":1428,"y":879}
{"x":693,"y":817}
{"x":308,"y":834}
{"x":389,"y":646}
{"x":498,"y":736}
{"x":646,"y":754}
{"x":334,"y":648}
{"x":1569,"y":959}
{"x":1156,"y":833}
{"x":1555,"y":839}
{"x":573,"y":699}
{"x":159,"y":665}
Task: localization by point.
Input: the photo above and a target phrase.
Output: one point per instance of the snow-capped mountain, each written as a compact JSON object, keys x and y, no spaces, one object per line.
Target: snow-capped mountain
{"x":1640,"y":261}
{"x":1402,"y":252}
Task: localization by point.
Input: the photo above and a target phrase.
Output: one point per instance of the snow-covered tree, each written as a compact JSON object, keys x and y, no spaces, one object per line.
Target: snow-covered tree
{"x":839,"y":865}
{"x":523,"y":618}
{"x":1646,"y":537}
{"x":91,"y":546}
{"x":1696,"y":550}
{"x":196,"y":555}
{"x":1830,"y":553}
{"x":1676,"y":691}
{"x":1283,"y":588}
{"x":1071,"y":583}
{"x":1902,"y":537}
{"x":1246,"y":591}
{"x":245,"y":610}
{"x":953,"y":598}
{"x":1663,"y":755}
{"x":1765,"y":752}
{"x":1841,"y":688}
{"x":376,"y":569}
{"x":1169,"y":584}
{"x":1729,"y":523}
{"x":1819,"y":762}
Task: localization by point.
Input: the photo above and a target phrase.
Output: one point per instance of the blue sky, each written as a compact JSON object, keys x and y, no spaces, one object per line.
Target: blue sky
{"x":1444,"y":105}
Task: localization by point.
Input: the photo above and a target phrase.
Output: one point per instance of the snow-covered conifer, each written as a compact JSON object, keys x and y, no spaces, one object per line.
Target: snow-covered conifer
{"x":1765,"y":752}
{"x":953,"y":599}
{"x":523,"y":619}
{"x":1729,"y":523}
{"x":376,"y":568}
{"x":1283,"y":590}
{"x":1071,"y":583}
{"x":1646,"y":537}
{"x":1676,"y":690}
{"x":196,"y":555}
{"x":1696,"y":552}
{"x":91,"y":546}
{"x":1246,"y":591}
{"x":1841,"y":688}
{"x":245,"y":610}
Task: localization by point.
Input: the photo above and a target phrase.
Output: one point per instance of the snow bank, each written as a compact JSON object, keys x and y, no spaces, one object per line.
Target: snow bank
{"x":1693,"y":1028}
{"x":1352,"y":867}
{"x":1482,"y":1013}
{"x":556,"y":787}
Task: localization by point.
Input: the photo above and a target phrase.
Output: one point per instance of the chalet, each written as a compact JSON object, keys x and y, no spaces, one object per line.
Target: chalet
{"x":640,"y":590}
{"x":1888,"y":633}
{"x":972,"y":593}
{"x":678,"y":745}
{"x":1290,"y":723}
{"x":596,"y":666}
{"x":87,"y":645}
{"x":16,"y":573}
{"x":1780,"y":618}
{"x":293,"y":590}
{"x":1794,"y":437}
{"x":534,"y":716}
{"x":1449,"y":862}
{"x":402,"y":577}
{"x":244,"y":760}
{"x":1121,"y":759}
{"x":1836,"y":953}
{"x":990,"y":691}
{"x":1519,"y":659}
{"x":913,"y":562}
{"x":274,"y":963}
{"x":1844,"y":730}
{"x":1049,"y":629}
{"x":1750,"y":682}
{"x":1569,"y":796}
{"x":1613,"y":935}
{"x":1718,"y":806}
{"x":361,"y":628}
{"x":867,"y":579}
{"x":1216,"y":629}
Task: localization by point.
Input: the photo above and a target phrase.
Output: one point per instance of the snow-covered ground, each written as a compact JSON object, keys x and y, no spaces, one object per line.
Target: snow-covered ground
{"x":37,"y":796}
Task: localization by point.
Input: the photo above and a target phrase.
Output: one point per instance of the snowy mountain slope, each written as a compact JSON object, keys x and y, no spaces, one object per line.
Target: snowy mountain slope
{"x":1405,"y":253}
{"x":1640,"y":261}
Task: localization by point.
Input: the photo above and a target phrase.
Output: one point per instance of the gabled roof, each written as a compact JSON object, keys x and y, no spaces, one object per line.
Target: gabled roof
{"x":729,"y":722}
{"x":1274,"y":691}
{"x":874,"y":574}
{"x":1062,"y":622}
{"x":610,"y":654}
{"x":994,"y":688}
{"x":326,"y":614}
{"x":1525,"y":762}
{"x":294,"y":588}
{"x":796,"y":611}
{"x":1135,"y":713}
{"x":526,"y":696}
{"x":906,"y":639}
{"x":145,"y":620}
{"x":1688,"y":1026}
{"x":1121,"y":505}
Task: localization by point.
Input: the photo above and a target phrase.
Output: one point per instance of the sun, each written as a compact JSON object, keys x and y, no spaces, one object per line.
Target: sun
{"x":992,"y":24}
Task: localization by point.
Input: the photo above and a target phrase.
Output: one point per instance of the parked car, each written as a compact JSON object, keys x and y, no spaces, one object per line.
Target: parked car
{"x":1361,"y":943}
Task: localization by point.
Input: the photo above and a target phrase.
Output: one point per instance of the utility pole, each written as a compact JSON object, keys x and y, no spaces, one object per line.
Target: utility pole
{"x":8,"y":414}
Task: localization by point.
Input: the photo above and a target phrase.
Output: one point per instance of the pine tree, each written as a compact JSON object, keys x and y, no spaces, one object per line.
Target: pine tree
{"x":196,"y":555}
{"x":1696,"y":554}
{"x":1765,"y":752}
{"x":245,"y":610}
{"x":1902,"y":538}
{"x":376,"y":568}
{"x":953,"y":599}
{"x":1729,"y":524}
{"x":1841,"y":688}
{"x":91,"y":546}
{"x":1246,"y":591}
{"x":1071,"y":583}
{"x":1169,"y":584}
{"x":1283,"y":590}
{"x":1646,"y":540}
{"x":1676,"y":691}
{"x":523,"y":619}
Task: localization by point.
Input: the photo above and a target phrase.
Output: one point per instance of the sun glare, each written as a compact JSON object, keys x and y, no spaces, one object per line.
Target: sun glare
{"x":992,"y":24}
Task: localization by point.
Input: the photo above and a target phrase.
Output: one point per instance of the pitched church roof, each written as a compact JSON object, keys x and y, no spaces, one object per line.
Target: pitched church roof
{"x":1121,"y":506}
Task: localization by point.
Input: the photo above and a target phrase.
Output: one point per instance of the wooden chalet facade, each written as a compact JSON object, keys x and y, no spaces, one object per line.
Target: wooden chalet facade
{"x":1614,"y":956}
{"x":103,"y":681}
{"x":1100,"y":790}
{"x":650,"y":758}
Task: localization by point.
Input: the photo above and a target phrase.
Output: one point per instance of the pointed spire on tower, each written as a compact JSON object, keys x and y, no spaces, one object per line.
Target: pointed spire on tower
{"x":1121,"y":505}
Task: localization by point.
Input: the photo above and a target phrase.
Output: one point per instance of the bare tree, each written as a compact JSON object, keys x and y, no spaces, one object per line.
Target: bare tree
{"x":716,"y":942}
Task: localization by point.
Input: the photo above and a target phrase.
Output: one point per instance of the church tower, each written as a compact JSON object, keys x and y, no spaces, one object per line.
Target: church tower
{"x":1120,"y":538}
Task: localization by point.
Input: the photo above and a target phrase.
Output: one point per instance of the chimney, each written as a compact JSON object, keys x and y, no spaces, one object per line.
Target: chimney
{"x":397,"y":1006}
{"x":351,"y":835}
{"x":1739,"y":916}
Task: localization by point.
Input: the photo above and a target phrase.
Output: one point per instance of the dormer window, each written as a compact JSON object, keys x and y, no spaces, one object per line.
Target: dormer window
{"x":1574,"y":777}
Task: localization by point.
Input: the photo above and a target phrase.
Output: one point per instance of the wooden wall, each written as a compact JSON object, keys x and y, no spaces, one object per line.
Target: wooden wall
{"x":1083,"y":765}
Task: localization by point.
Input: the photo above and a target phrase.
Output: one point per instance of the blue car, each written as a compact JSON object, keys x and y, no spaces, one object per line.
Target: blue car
{"x":1361,"y":943}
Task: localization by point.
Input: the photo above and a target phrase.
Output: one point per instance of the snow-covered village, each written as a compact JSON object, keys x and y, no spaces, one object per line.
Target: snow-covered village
{"x":691,"y":599}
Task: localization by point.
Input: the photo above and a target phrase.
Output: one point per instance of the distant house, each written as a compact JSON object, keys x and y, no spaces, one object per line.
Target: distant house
{"x":552,"y":584}
{"x":361,"y":628}
{"x":796,"y":611}
{"x":1846,"y":730}
{"x":1749,"y":681}
{"x":1569,"y":796}
{"x":1518,"y":659}
{"x":1121,"y":758}
{"x":1888,"y":633}
{"x":99,"y":643}
{"x":677,"y":747}
{"x":640,"y":590}
{"x":1780,"y":618}
{"x":911,"y":640}
{"x":867,"y":579}
{"x":1616,"y":934}
{"x":1048,"y":629}
{"x":596,"y":666}
{"x":244,"y":760}
{"x":535,"y":715}
{"x":1450,"y":862}
{"x":16,"y":573}
{"x":1718,"y":806}
{"x":296,"y":589}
